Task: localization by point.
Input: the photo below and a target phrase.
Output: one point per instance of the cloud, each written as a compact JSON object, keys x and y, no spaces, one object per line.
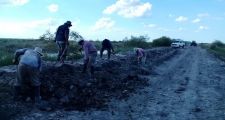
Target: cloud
{"x":203,"y":28}
{"x":181,"y":19}
{"x":164,"y":29}
{"x":150,"y":25}
{"x":203,"y":15}
{"x":197,"y":20}
{"x":180,"y":29}
{"x":53,"y":8}
{"x":170,"y":15}
{"x":14,"y":2}
{"x":21,"y":29}
{"x":129,"y":8}
{"x":103,"y":23}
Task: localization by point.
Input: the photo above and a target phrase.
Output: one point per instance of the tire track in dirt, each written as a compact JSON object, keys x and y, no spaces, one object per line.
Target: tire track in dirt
{"x":189,"y":86}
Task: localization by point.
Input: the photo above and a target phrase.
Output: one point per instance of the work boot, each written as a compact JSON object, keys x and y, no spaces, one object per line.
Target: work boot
{"x":37,"y":97}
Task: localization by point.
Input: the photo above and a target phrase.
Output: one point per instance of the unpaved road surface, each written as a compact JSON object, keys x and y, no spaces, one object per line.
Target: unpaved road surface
{"x":188,"y":86}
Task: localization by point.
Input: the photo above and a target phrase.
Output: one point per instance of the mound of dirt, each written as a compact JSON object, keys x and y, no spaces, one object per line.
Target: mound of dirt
{"x":64,"y":86}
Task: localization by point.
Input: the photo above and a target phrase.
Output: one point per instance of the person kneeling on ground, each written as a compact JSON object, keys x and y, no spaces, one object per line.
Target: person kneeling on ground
{"x":28,"y":69}
{"x":90,"y":54}
{"x":106,"y":45}
{"x":140,"y":53}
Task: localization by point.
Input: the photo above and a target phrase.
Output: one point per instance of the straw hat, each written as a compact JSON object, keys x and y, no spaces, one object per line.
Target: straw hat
{"x":38,"y":50}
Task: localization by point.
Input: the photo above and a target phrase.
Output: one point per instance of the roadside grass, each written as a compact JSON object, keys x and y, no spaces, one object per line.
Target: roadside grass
{"x":50,"y":49}
{"x":219,"y":52}
{"x":217,"y":48}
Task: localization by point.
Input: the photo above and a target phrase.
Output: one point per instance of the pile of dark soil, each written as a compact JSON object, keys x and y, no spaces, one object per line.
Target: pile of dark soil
{"x":65,"y":87}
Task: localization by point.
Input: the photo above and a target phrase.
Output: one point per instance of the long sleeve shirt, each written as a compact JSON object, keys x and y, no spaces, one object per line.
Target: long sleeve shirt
{"x":89,"y":48}
{"x":29,"y":57}
{"x":62,"y":34}
{"x":140,"y":52}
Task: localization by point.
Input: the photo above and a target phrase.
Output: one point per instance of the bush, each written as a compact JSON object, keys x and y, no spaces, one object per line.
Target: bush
{"x":140,"y":41}
{"x":217,"y":43}
{"x":6,"y":59}
{"x":160,"y":42}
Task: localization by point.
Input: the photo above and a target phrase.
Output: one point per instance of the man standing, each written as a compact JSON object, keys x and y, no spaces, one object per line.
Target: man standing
{"x":62,"y":36}
{"x":90,"y":54}
{"x":106,"y":45}
{"x":28,"y":69}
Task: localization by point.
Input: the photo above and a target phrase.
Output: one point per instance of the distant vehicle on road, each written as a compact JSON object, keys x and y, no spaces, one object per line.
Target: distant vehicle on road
{"x":193,"y":43}
{"x":177,"y":44}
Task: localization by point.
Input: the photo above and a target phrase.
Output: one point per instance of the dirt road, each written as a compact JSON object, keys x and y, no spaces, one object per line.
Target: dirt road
{"x":188,"y":86}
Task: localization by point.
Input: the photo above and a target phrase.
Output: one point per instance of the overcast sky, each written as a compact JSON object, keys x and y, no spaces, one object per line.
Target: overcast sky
{"x":200,"y":20}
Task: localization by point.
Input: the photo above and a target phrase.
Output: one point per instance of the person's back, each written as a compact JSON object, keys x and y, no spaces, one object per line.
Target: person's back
{"x":106,"y":44}
{"x":31,"y":58}
{"x":140,"y":53}
{"x":89,"y":47}
{"x":28,"y":71}
{"x":60,"y":33}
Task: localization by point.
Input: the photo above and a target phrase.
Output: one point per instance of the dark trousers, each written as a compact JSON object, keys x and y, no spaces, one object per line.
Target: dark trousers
{"x":89,"y":63}
{"x":62,"y":51}
{"x":108,"y":52}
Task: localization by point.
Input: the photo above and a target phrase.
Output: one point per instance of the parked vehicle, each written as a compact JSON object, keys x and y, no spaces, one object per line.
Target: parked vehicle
{"x":177,"y":44}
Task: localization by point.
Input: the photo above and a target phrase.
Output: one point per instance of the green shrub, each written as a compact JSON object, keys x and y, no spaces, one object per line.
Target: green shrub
{"x":216,"y":44}
{"x":160,"y":42}
{"x":6,"y":60}
{"x":140,"y":41}
{"x":213,"y":46}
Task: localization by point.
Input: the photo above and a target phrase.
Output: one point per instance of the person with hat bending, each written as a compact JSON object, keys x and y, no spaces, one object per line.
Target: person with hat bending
{"x":29,"y":64}
{"x":90,"y":54}
{"x":61,"y":39}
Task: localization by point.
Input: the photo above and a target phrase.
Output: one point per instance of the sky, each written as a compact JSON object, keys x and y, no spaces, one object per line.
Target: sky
{"x":199,"y":20}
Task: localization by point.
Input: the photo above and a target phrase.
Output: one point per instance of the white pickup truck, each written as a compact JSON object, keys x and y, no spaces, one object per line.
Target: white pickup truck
{"x":177,"y":44}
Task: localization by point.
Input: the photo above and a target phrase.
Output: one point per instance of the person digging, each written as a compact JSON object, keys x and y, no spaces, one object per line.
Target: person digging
{"x":90,"y":54}
{"x":140,"y":54}
{"x":29,"y":65}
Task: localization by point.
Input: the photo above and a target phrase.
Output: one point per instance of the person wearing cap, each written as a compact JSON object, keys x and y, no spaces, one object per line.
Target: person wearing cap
{"x":106,"y":45}
{"x":61,"y":39}
{"x":90,"y":54}
{"x":29,"y":65}
{"x":140,"y":53}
